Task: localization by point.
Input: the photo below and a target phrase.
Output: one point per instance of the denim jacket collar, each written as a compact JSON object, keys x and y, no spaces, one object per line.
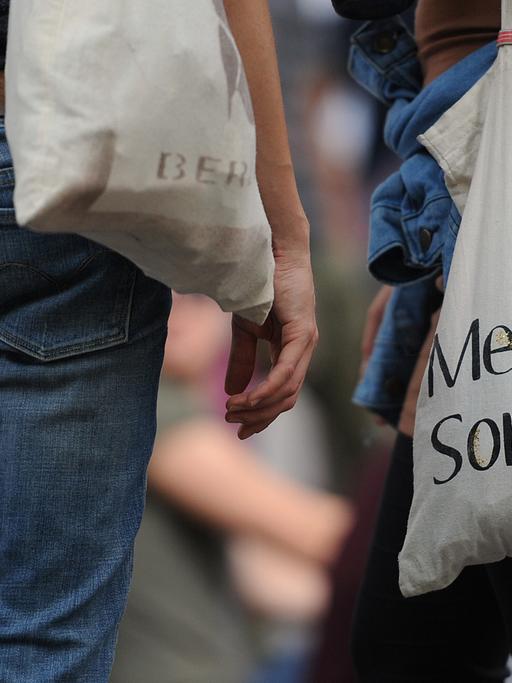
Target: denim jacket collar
{"x":411,"y":212}
{"x":389,"y":69}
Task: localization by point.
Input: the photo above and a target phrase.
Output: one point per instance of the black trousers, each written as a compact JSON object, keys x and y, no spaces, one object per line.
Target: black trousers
{"x":462,"y":633}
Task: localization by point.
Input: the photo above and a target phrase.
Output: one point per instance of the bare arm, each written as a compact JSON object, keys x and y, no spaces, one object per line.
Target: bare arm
{"x":251,"y":25}
{"x":291,"y":327}
{"x":201,"y":468}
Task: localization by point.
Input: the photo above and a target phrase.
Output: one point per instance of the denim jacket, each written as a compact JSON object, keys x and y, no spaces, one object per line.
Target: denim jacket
{"x":413,"y":221}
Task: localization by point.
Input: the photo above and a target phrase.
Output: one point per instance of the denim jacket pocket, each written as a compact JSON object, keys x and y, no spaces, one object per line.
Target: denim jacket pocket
{"x":62,"y":295}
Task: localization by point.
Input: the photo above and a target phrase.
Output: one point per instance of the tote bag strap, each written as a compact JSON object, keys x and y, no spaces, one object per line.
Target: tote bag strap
{"x":505,"y":35}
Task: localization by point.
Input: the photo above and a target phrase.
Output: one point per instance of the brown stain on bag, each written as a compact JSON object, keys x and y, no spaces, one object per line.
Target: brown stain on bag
{"x":81,"y":193}
{"x":233,"y":67}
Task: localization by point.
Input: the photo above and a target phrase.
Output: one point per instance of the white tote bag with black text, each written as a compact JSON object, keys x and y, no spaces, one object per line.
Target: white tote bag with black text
{"x":131,"y":123}
{"x":462,"y":506}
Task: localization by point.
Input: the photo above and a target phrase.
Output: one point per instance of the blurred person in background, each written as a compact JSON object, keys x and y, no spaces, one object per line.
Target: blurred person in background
{"x":338,"y":154}
{"x":346,"y":132}
{"x":335,"y":137}
{"x":184,"y":621}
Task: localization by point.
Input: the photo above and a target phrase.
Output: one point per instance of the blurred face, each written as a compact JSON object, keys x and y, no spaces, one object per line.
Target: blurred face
{"x":198,"y":336}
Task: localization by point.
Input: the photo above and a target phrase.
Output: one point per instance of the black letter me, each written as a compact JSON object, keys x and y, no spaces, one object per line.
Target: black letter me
{"x":474,"y":335}
{"x":447,"y":450}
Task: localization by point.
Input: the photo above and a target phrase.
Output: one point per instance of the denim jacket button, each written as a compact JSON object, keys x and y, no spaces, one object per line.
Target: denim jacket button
{"x":385,"y":42}
{"x":425,"y":239}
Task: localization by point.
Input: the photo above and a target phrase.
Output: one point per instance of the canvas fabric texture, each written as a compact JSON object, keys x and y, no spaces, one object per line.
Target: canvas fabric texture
{"x":136,"y":129}
{"x":462,"y":502}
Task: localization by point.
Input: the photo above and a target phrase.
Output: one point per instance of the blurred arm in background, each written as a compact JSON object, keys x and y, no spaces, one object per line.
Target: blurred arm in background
{"x":200,"y":467}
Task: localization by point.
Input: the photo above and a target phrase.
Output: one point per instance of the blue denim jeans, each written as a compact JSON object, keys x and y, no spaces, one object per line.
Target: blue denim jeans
{"x":82,"y":334}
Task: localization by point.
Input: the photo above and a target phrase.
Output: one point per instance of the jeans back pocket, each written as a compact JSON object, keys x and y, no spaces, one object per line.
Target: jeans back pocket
{"x":61,"y":295}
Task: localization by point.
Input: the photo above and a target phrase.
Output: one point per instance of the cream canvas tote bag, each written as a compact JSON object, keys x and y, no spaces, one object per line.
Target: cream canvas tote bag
{"x":462,"y":505}
{"x":131,"y":124}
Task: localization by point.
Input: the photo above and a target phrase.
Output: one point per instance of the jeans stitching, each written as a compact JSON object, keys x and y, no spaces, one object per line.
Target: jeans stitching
{"x":82,"y":347}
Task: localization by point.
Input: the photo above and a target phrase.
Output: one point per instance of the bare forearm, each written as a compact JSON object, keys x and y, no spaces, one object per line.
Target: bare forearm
{"x":290,"y":329}
{"x":204,"y":470}
{"x":252,"y":29}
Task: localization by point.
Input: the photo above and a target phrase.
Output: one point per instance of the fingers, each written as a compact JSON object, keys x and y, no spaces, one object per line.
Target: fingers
{"x":289,"y":370}
{"x":256,"y":420}
{"x":242,"y":358}
{"x":293,"y":354}
{"x":246,"y":432}
{"x":288,"y":390}
{"x":264,"y":415}
{"x":260,"y":416}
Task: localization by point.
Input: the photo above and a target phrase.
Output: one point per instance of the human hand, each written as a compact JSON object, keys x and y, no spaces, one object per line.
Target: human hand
{"x":292,"y":334}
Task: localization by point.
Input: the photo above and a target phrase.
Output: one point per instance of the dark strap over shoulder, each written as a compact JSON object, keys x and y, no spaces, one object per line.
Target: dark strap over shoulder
{"x":370,"y":9}
{"x":4,"y":16}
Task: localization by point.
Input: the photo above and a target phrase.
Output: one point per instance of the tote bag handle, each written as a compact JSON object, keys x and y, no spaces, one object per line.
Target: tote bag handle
{"x":506,"y":15}
{"x":505,"y":35}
